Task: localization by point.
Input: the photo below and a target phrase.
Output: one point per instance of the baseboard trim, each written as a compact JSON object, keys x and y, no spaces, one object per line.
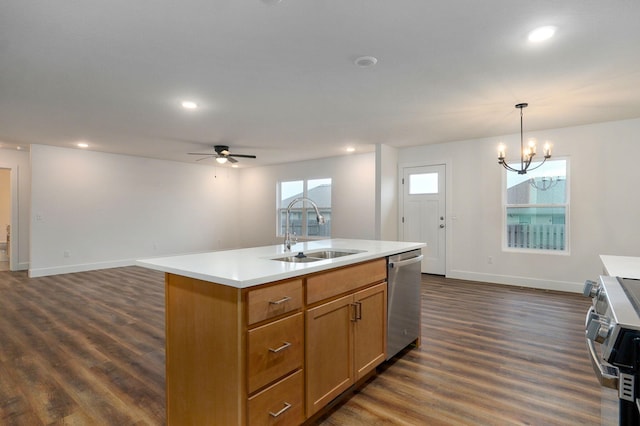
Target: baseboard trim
{"x":69,"y":269}
{"x":513,"y":280}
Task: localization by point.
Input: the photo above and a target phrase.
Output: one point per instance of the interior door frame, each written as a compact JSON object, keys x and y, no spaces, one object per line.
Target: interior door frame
{"x":448,"y":203}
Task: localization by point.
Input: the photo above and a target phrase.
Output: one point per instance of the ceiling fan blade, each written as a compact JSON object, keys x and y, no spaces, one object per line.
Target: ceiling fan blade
{"x":204,"y":158}
{"x":231,"y":159}
{"x":241,"y":156}
{"x":201,"y":153}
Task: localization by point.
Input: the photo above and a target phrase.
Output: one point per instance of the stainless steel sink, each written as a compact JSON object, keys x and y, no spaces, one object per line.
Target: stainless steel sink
{"x":332,"y":254}
{"x":296,"y":259}
{"x":315,"y":256}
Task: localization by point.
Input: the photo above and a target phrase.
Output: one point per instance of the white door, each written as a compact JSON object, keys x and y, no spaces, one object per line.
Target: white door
{"x":423,"y":216}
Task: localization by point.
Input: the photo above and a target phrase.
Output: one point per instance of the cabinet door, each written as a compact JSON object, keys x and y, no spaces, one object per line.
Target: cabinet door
{"x":329,"y":349}
{"x":370,"y":343}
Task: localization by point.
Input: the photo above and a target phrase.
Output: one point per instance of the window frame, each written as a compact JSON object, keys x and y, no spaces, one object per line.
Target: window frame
{"x":567,"y":211}
{"x":304,"y":208}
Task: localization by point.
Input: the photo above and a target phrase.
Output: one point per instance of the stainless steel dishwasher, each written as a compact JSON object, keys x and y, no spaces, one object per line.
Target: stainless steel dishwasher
{"x":403,"y":309}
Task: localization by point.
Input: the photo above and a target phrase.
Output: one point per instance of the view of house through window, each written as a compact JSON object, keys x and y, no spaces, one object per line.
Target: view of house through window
{"x":536,"y":208}
{"x":302,"y":218}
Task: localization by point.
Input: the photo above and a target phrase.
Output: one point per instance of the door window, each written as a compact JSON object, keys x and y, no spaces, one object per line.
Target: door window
{"x":423,"y":183}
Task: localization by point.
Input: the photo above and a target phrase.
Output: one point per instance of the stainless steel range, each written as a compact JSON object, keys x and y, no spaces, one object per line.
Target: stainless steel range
{"x":613,"y":338}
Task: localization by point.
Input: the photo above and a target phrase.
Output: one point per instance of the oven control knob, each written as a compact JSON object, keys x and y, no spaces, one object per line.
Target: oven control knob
{"x":590,"y":288}
{"x":598,"y":329}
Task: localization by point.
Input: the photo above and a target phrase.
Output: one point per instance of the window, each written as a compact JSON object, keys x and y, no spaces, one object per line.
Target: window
{"x":536,"y":208}
{"x":302,"y":218}
{"x":423,"y":183}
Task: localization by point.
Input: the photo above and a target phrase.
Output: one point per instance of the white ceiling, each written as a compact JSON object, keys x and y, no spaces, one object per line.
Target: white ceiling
{"x":277,"y":79}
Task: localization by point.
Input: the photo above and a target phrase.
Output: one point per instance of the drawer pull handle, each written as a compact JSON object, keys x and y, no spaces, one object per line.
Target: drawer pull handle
{"x":284,"y":346}
{"x":281,"y":301}
{"x":285,"y":408}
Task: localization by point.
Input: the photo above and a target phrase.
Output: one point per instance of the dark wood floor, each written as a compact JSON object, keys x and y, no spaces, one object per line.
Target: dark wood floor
{"x":88,"y":348}
{"x":491,"y":355}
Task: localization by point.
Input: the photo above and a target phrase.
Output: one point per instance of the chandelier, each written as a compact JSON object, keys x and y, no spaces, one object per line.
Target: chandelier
{"x":526,"y":153}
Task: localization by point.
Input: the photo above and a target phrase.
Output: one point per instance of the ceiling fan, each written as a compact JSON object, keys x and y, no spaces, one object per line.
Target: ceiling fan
{"x":222,"y":155}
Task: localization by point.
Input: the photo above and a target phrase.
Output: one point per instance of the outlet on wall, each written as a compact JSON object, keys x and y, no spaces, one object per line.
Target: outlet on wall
{"x":66,"y":253}
{"x":490,"y":260}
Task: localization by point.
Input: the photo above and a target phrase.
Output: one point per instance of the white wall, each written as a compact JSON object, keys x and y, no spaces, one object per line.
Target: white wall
{"x":20,"y":176}
{"x":604,"y":197}
{"x":386,"y":193}
{"x":92,"y":210}
{"x":352,"y":197}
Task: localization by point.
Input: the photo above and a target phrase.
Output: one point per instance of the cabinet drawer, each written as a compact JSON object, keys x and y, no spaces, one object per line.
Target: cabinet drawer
{"x":328,"y":284}
{"x":274,"y":350}
{"x":267,"y":302}
{"x":280,"y":404}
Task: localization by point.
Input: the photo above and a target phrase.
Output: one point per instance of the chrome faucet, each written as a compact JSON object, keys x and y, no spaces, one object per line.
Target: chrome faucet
{"x":287,"y":235}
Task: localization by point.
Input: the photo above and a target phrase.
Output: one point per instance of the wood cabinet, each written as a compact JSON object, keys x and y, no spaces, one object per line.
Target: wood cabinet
{"x":346,"y":339}
{"x":370,"y":329}
{"x":273,"y":354}
{"x":346,"y":333}
{"x":329,"y":352}
{"x":234,"y":356}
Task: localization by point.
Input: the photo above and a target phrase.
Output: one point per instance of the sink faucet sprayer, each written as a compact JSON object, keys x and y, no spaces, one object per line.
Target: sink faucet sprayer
{"x":287,"y":235}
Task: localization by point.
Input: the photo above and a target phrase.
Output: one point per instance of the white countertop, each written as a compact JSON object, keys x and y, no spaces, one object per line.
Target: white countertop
{"x":242,"y":268}
{"x":621,"y":266}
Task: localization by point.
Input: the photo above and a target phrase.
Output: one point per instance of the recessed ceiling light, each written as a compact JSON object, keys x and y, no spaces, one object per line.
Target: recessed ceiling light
{"x":189,"y":105}
{"x":350,"y":149}
{"x":541,"y":34}
{"x":366,"y":61}
{"x":82,"y":145}
{"x":235,"y":166}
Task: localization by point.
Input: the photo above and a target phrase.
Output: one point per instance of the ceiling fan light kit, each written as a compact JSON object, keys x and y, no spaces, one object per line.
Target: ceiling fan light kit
{"x":222,"y":155}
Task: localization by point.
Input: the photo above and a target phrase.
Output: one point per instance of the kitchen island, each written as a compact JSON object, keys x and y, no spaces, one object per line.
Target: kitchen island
{"x":621,"y":266}
{"x":254,"y":339}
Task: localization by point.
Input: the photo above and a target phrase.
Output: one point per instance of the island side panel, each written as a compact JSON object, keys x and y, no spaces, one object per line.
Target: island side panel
{"x":205,"y":380}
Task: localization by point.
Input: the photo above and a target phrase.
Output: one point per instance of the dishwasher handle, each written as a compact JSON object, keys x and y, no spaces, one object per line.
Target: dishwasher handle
{"x":399,"y":263}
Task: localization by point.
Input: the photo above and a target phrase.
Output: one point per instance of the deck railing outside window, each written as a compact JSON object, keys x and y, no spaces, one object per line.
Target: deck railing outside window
{"x":543,"y":237}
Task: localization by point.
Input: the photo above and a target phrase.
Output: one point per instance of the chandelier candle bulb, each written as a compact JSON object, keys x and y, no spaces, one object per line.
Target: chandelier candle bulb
{"x":501,"y":149}
{"x":547,"y":149}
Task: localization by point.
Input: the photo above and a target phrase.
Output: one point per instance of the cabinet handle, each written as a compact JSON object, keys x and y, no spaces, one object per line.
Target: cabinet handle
{"x":285,"y":408}
{"x":358,"y":311}
{"x":284,"y":346}
{"x":354,"y":316}
{"x":281,"y":301}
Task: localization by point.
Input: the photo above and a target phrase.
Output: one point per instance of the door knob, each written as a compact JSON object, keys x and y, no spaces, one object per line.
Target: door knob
{"x":442,"y":225}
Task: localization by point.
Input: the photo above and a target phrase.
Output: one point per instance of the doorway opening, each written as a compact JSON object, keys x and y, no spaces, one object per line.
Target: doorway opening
{"x":5,"y":219}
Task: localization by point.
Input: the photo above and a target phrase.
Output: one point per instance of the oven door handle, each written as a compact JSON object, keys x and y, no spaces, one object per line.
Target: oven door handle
{"x":606,"y":373}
